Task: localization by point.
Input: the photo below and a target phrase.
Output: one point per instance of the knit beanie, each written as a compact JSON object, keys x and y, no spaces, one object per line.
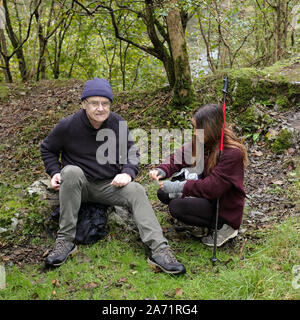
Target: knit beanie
{"x":97,"y":87}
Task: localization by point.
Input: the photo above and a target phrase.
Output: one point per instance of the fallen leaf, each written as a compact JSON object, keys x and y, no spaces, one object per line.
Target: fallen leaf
{"x":257,"y":153}
{"x":35,"y":296}
{"x":90,"y":285}
{"x":101,"y":267}
{"x":121,"y":281}
{"x":227,"y":261}
{"x":156,"y":269}
{"x":134,"y":272}
{"x":45,"y":253}
{"x":55,"y":283}
{"x":278,"y":182}
{"x":114,"y":261}
{"x":178,"y":292}
{"x":71,"y":289}
{"x":4,"y":258}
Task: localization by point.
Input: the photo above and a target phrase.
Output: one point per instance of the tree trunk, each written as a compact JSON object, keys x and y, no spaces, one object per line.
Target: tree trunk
{"x":278,"y":29}
{"x":22,"y":64}
{"x":4,"y":57}
{"x":183,"y":89}
{"x":160,"y":51}
{"x":7,"y":70}
{"x":207,"y":44}
{"x":16,"y":44}
{"x":40,"y":72}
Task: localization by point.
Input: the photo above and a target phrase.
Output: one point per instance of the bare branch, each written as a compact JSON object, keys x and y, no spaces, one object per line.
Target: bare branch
{"x":17,"y":45}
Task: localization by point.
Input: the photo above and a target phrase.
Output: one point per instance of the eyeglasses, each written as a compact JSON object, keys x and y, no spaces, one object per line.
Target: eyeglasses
{"x":95,"y":104}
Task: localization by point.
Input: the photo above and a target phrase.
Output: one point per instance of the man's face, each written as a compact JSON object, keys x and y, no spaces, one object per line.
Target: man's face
{"x":97,"y":109}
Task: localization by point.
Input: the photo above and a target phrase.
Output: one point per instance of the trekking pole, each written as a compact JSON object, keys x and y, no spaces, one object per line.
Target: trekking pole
{"x":225,"y":91}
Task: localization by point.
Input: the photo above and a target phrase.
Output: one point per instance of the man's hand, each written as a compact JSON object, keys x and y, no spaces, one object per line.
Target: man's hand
{"x":55,"y":181}
{"x":155,"y":175}
{"x":121,"y":180}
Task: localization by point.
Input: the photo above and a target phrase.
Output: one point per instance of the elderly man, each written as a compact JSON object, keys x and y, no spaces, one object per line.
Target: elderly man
{"x":74,"y":158}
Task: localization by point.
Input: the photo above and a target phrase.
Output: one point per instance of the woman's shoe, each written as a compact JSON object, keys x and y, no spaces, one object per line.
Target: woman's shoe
{"x":223,"y":235}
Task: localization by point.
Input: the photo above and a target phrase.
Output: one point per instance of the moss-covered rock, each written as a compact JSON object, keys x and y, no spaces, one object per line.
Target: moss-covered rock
{"x":275,"y":85}
{"x":242,"y":93}
{"x":283,"y":141}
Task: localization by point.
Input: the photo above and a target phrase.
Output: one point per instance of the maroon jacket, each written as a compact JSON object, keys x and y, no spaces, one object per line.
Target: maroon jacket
{"x":224,"y":182}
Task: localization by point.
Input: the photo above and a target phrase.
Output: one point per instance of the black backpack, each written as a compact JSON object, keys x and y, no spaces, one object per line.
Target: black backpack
{"x":92,"y":219}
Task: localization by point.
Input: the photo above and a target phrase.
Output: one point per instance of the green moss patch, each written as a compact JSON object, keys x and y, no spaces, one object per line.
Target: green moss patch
{"x":282,"y":142}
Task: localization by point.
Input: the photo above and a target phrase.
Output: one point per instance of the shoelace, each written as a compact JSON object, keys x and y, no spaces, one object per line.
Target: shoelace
{"x":169,"y":257}
{"x":59,"y":247}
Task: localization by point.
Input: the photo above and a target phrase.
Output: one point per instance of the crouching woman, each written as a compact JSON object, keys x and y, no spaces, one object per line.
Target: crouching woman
{"x":195,"y":204}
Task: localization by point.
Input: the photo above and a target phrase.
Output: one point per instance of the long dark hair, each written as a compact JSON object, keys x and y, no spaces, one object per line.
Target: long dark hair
{"x":210,"y":118}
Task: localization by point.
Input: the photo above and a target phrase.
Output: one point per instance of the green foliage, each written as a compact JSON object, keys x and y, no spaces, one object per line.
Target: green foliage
{"x":253,"y":118}
{"x":85,"y":45}
{"x":20,"y":214}
{"x":282,"y":141}
{"x":3,"y":92}
{"x":282,"y":101}
{"x":254,"y":122}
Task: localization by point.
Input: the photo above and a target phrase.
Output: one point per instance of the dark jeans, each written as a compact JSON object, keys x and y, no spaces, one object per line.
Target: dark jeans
{"x":192,"y":211}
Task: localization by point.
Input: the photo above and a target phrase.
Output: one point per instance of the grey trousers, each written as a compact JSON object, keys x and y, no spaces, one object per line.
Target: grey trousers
{"x":75,"y":188}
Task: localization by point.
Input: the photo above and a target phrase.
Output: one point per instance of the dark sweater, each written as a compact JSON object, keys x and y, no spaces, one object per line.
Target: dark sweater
{"x":74,"y":139}
{"x":224,"y":182}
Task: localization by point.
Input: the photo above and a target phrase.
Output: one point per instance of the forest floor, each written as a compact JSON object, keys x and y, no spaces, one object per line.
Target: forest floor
{"x":258,"y":264}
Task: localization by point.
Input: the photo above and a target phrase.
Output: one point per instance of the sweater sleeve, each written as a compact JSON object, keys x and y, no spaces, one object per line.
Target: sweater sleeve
{"x":176,"y":161}
{"x":51,"y":148}
{"x":227,"y":173}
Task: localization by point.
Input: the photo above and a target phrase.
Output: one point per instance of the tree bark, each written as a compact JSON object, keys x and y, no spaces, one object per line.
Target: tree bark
{"x":183,"y":88}
{"x":17,"y":45}
{"x":5,"y":58}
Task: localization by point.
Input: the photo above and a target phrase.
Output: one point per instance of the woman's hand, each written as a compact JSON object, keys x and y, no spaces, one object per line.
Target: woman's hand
{"x":155,"y":175}
{"x":172,"y":187}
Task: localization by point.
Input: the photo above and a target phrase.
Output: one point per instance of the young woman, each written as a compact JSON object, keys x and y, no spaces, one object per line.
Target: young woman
{"x":221,"y":178}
